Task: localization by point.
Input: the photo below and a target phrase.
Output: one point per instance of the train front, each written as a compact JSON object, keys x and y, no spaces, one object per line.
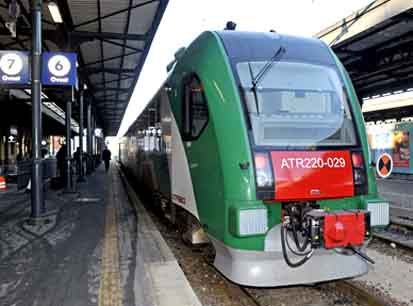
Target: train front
{"x":311,"y":164}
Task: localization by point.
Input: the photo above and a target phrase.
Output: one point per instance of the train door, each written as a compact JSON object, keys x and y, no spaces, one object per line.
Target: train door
{"x":182,"y":193}
{"x":195,"y":118}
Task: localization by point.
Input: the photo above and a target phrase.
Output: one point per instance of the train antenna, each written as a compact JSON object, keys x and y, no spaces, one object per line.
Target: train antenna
{"x":230,"y":26}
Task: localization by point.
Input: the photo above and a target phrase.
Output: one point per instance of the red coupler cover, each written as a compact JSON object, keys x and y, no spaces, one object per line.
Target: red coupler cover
{"x":344,"y":229}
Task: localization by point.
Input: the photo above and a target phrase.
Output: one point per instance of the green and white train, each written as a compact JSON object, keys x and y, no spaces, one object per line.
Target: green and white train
{"x":258,"y":138}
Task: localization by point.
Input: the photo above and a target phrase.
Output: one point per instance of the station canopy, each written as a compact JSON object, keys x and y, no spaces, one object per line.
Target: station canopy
{"x":111,"y":38}
{"x":375,"y":44}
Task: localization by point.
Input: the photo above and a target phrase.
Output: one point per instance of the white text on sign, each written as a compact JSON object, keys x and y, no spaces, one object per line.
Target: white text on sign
{"x":313,"y":162}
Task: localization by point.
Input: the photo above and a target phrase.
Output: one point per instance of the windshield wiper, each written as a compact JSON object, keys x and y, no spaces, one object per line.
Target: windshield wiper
{"x":275,"y":58}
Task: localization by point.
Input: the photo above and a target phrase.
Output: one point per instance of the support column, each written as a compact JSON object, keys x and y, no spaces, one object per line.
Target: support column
{"x":89,"y":138}
{"x":81,"y":177}
{"x":94,"y":136}
{"x":68,"y":180}
{"x":38,"y":207}
{"x":94,"y":141}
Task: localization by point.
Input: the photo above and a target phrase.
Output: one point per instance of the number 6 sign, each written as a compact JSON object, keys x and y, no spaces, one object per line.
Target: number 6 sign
{"x":59,"y":69}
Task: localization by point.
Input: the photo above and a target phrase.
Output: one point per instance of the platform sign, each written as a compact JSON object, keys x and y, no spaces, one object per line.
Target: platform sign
{"x":14,"y":67}
{"x":59,"y":69}
{"x":384,"y":165}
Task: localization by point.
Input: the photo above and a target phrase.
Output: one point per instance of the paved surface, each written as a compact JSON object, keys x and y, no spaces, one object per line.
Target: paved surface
{"x":390,"y":275}
{"x":93,"y":251}
{"x":159,"y":279}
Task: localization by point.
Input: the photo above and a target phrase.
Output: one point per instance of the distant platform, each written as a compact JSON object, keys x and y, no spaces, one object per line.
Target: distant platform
{"x":398,"y":191}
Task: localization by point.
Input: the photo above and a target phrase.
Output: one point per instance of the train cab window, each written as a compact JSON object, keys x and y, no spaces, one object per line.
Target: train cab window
{"x":297,"y":105}
{"x":195,"y":109}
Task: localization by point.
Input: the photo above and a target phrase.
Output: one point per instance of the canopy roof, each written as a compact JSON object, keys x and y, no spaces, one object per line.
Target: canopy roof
{"x":112,"y":39}
{"x":375,"y":44}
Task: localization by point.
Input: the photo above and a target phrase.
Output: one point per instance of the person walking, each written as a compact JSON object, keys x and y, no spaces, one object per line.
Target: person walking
{"x":106,"y":156}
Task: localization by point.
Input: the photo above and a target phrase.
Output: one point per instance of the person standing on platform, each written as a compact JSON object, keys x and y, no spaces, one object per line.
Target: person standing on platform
{"x":106,"y":156}
{"x":61,"y":163}
{"x":76,"y":157}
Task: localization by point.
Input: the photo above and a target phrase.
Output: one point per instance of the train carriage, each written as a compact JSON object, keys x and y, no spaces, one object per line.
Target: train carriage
{"x":259,"y":137}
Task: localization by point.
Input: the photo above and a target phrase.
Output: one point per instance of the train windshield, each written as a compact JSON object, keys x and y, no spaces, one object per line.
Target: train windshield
{"x":296,"y":105}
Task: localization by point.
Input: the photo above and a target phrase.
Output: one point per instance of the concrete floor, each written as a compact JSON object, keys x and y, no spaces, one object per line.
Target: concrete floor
{"x":392,"y":274}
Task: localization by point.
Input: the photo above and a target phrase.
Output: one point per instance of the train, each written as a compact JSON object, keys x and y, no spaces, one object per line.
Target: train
{"x":256,"y":143}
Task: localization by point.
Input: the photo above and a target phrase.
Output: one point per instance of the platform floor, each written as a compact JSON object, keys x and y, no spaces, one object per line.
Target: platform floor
{"x":94,"y":251}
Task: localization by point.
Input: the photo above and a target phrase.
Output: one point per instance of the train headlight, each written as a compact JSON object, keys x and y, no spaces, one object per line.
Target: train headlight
{"x":263,"y":179}
{"x":264,"y":176}
{"x":359,"y":173}
{"x":263,"y":172}
{"x":359,"y":177}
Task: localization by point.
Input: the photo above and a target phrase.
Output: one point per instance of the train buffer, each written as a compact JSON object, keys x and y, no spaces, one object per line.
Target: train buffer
{"x":94,"y":248}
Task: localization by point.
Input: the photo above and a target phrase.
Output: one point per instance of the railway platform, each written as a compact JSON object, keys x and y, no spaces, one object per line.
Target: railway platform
{"x":94,"y":249}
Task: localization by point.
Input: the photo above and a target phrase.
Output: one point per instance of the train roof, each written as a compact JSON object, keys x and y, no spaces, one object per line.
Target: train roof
{"x":247,"y":46}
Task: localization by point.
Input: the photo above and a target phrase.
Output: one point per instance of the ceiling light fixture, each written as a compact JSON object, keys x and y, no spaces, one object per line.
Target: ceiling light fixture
{"x":55,"y":12}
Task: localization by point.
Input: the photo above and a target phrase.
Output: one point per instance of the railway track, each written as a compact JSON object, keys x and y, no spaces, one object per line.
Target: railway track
{"x":207,"y":282}
{"x":397,"y":233}
{"x":213,"y":289}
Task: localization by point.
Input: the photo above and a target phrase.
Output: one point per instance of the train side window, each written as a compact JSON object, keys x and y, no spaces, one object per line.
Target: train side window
{"x":195,"y":109}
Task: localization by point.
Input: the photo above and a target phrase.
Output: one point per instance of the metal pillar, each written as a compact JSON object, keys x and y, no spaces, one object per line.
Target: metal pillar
{"x":38,"y":207}
{"x":94,"y":141}
{"x":89,"y":138}
{"x":68,"y":180}
{"x":81,"y":177}
{"x":94,"y":136}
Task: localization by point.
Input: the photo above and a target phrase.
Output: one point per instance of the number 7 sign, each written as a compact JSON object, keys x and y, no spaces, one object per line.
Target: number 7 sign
{"x":14,"y":67}
{"x":59,"y":69}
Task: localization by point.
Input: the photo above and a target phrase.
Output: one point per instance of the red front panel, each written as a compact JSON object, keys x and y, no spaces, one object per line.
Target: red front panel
{"x":345,"y":229}
{"x":308,"y":175}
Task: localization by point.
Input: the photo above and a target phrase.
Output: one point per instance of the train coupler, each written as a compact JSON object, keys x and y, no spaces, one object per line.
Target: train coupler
{"x":339,"y":229}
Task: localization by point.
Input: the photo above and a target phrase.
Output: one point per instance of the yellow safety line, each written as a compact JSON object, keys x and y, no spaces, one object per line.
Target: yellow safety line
{"x":110,"y":291}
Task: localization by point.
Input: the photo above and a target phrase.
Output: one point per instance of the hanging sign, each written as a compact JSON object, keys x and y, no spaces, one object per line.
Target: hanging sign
{"x":59,"y":69}
{"x":14,"y":67}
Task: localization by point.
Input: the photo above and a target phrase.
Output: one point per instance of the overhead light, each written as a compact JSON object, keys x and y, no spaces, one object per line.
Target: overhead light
{"x":55,"y":12}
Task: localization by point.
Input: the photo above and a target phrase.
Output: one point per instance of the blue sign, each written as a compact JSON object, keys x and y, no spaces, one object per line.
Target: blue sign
{"x":14,"y":67}
{"x":59,"y":69}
